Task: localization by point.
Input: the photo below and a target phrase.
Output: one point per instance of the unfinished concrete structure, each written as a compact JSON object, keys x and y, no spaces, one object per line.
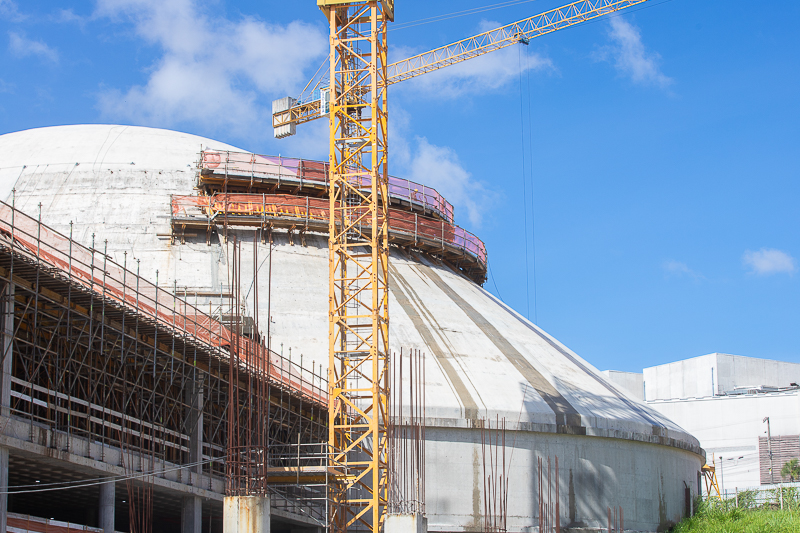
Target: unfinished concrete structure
{"x":178,"y":203}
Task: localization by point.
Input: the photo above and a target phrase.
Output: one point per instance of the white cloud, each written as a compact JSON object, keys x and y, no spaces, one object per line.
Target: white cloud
{"x":10,"y":11}
{"x":678,"y":268}
{"x":768,"y":261}
{"x":67,"y":16}
{"x":21,"y":46}
{"x":212,"y":70}
{"x":630,"y":57}
{"x":417,"y":159}
{"x":484,"y":73}
{"x":440,"y":168}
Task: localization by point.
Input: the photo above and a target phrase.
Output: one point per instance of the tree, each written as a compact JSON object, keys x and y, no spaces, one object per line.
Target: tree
{"x":791,"y":469}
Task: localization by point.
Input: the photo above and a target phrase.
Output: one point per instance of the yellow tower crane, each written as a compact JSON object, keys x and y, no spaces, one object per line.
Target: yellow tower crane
{"x":354,"y":99}
{"x":710,"y":477}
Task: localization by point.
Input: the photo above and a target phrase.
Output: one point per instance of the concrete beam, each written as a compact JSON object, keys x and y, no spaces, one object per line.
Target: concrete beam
{"x":93,"y":458}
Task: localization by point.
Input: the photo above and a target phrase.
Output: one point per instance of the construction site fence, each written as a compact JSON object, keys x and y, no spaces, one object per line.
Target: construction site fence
{"x":284,"y":168}
{"x":308,"y":209}
{"x":779,"y":496}
{"x":99,"y":273}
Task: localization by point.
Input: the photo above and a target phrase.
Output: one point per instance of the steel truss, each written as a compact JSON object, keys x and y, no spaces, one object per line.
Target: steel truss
{"x":359,"y":259}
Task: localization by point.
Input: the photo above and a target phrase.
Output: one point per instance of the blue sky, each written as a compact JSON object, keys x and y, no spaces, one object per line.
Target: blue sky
{"x":661,"y":146}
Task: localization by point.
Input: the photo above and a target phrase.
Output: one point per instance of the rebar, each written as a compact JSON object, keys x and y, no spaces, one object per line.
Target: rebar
{"x":548,"y":489}
{"x":495,"y":475}
{"x":101,"y":354}
{"x":406,"y":434}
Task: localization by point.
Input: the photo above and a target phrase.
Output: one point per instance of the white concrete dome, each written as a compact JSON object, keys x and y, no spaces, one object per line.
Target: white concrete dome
{"x":484,"y":359}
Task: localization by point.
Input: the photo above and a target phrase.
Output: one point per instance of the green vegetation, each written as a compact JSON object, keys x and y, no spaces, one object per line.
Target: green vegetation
{"x":791,"y":469}
{"x":755,"y":513}
{"x":741,"y":521}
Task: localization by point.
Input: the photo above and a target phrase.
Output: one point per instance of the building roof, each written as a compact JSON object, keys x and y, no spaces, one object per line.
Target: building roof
{"x":97,"y":146}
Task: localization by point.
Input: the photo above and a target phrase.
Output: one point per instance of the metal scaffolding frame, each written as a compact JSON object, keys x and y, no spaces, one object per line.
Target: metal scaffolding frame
{"x":462,"y":250}
{"x":101,"y":354}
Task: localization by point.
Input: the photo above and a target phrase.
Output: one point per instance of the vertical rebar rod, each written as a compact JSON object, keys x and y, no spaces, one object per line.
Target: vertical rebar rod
{"x":558,"y":501}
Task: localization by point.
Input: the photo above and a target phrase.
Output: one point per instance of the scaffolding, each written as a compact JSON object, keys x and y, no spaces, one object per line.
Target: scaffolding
{"x":245,"y":172}
{"x":301,"y":214}
{"x":97,"y":354}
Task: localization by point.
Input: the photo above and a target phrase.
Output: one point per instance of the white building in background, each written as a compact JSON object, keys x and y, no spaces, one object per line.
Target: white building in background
{"x":632,"y":382}
{"x":723,"y":400}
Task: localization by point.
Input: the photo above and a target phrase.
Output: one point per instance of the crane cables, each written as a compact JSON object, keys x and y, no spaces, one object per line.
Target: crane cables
{"x":533,"y":211}
{"x":500,"y":5}
{"x":528,"y":184}
{"x":524,"y":192}
{"x":457,"y":14}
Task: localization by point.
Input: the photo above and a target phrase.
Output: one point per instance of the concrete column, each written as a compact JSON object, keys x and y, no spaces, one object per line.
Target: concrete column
{"x":194,"y":423}
{"x":246,"y":514}
{"x":106,"y":509}
{"x":405,"y":523}
{"x":192,"y":509}
{"x":192,"y":515}
{"x":6,"y":357}
{"x":3,"y":488}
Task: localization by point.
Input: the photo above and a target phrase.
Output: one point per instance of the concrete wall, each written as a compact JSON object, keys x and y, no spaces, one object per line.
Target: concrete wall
{"x":594,"y":473}
{"x":630,"y":382}
{"x":690,"y":378}
{"x":729,"y":426}
{"x":738,"y":371}
{"x":715,"y":373}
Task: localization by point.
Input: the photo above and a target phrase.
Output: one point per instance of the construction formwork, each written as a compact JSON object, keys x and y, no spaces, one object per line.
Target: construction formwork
{"x":96,"y":357}
{"x":300,"y":214}
{"x":243,"y":189}
{"x":243,"y":172}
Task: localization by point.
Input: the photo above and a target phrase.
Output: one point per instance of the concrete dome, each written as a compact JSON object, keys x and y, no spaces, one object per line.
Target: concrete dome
{"x":484,"y":359}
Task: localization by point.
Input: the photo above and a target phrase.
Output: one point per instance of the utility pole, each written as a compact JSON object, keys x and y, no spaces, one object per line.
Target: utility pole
{"x":769,"y":449}
{"x":722,"y":479}
{"x":771,"y":470}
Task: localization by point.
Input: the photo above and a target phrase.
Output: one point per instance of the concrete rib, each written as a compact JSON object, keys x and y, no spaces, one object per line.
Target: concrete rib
{"x":657,"y":425}
{"x":397,"y":283}
{"x":567,"y":417}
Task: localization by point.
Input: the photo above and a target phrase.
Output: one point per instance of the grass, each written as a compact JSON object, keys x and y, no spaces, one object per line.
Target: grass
{"x":747,"y":518}
{"x":741,"y":521}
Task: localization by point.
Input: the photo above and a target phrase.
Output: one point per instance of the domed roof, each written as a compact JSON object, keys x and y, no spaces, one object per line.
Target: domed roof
{"x":97,"y":146}
{"x":483,"y":358}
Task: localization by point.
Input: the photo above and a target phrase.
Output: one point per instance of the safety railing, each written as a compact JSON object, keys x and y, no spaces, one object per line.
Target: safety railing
{"x":285,"y":168}
{"x":307,"y":209}
{"x":19,"y":523}
{"x":98,"y":273}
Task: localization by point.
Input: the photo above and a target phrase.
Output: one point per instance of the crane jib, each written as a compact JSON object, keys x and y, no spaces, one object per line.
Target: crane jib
{"x":313,"y":106}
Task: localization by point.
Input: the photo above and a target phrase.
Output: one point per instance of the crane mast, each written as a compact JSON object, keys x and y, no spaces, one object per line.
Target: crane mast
{"x":358,"y":264}
{"x":355,"y":102}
